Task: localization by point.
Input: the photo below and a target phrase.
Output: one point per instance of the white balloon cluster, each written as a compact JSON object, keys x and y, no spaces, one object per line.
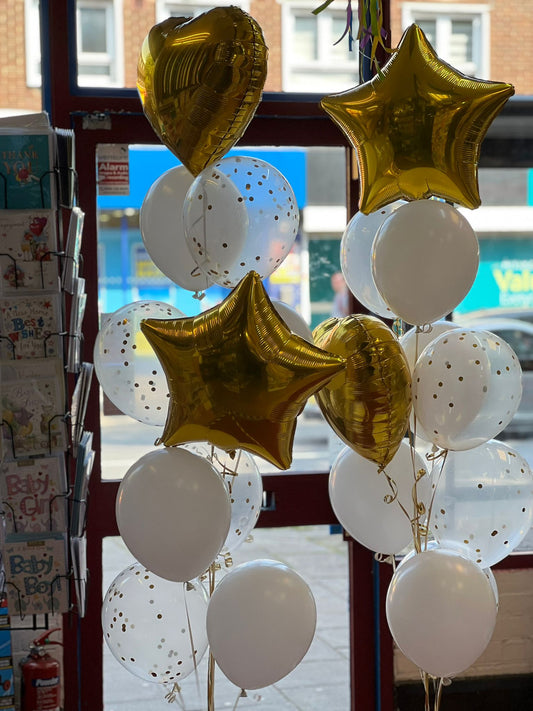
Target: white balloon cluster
{"x":180,"y":510}
{"x":156,"y":616}
{"x":237,"y":215}
{"x":471,"y":502}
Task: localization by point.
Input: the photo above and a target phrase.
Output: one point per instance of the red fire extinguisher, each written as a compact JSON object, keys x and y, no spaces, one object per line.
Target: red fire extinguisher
{"x":41,"y":683}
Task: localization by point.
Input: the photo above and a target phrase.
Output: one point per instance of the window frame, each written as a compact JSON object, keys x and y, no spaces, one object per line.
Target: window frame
{"x":32,"y":48}
{"x":444,"y":14}
{"x":163,"y":8}
{"x":114,"y":57}
{"x":322,"y":65}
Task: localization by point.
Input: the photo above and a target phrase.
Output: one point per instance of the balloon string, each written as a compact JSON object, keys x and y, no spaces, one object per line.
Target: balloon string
{"x":443,"y":456}
{"x":211,"y":663}
{"x":425,"y":681}
{"x":419,"y":509}
{"x":243,"y":695}
{"x":186,"y":587}
{"x":438,"y":695}
{"x":174,"y":696}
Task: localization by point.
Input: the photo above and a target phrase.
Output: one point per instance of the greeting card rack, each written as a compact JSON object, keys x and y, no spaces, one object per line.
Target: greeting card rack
{"x":46,"y":455}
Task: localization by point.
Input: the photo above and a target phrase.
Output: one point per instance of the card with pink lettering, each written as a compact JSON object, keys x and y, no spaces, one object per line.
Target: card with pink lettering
{"x":34,"y":495}
{"x":29,"y":326}
{"x":36,"y":574}
{"x":28,"y":246}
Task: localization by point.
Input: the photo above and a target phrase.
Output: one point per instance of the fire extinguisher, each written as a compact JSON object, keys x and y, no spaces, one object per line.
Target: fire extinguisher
{"x":41,"y":683}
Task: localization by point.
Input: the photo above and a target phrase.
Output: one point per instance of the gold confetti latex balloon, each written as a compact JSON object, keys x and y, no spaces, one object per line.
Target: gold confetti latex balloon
{"x":200,"y":81}
{"x":149,"y":624}
{"x":240,"y":214}
{"x":417,"y":127}
{"x":368,"y":404}
{"x":238,"y":377}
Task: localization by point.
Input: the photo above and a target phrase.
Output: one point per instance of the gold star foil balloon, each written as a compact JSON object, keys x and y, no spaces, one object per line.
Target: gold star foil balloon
{"x":367,"y":404}
{"x":417,"y":127}
{"x":200,"y":82}
{"x":237,"y":376}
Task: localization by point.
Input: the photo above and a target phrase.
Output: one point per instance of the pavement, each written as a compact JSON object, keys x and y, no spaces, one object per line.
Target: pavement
{"x":320,"y":681}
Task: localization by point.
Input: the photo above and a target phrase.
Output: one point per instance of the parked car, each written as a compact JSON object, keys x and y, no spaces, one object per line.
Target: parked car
{"x":518,"y":333}
{"x":523,"y":314}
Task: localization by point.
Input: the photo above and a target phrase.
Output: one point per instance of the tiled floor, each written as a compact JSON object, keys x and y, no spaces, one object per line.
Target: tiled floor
{"x":320,"y":682}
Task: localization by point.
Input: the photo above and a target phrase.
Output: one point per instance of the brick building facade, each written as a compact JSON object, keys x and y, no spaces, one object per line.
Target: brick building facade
{"x":504,"y":26}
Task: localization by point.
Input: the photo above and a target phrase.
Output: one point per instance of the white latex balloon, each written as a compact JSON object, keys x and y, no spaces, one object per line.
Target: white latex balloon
{"x":484,"y":502}
{"x":441,"y":611}
{"x":127,"y":367}
{"x":467,"y":386}
{"x":173,"y":512}
{"x":163,"y":233}
{"x":413,"y":343}
{"x":155,"y":628}
{"x":261,"y":621}
{"x":245,"y":488}
{"x":356,"y":257}
{"x":493,"y":585}
{"x":294,"y":321}
{"x":240,"y":214}
{"x":425,"y":259}
{"x":361,"y":498}
{"x":433,"y":544}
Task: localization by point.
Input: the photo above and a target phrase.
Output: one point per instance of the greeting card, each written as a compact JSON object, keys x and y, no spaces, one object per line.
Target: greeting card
{"x":78,"y":552}
{"x":26,"y":164}
{"x":32,"y":417}
{"x":28,"y":245}
{"x":31,"y":368}
{"x":33,"y":495}
{"x":36,"y":575}
{"x":29,"y":326}
{"x":78,"y":407}
{"x":84,"y":466}
{"x":72,"y":249}
{"x":77,"y":312}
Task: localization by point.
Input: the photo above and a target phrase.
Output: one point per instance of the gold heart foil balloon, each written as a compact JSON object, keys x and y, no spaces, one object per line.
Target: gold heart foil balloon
{"x":368,"y":403}
{"x":200,"y":81}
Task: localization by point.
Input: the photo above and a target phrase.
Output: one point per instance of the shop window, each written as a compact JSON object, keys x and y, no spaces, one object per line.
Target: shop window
{"x":313,"y":59}
{"x":458,"y":33}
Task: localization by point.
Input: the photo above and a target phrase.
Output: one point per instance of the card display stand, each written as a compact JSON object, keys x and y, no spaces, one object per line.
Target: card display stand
{"x":46,"y":455}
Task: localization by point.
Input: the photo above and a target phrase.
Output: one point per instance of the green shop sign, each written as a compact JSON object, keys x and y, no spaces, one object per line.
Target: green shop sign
{"x":505,"y":276}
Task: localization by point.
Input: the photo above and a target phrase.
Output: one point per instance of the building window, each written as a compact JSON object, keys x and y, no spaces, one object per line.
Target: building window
{"x":458,"y":33}
{"x":98,"y":38}
{"x":99,"y":43}
{"x":313,"y":59}
{"x":32,"y":26}
{"x":165,"y":9}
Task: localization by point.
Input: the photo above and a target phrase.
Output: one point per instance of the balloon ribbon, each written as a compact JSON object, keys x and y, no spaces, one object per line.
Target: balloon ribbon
{"x":371,"y":30}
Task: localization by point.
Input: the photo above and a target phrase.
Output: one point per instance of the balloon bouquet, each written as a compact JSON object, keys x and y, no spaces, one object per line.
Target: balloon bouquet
{"x":229,"y":383}
{"x":410,"y":255}
{"x":226,"y":385}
